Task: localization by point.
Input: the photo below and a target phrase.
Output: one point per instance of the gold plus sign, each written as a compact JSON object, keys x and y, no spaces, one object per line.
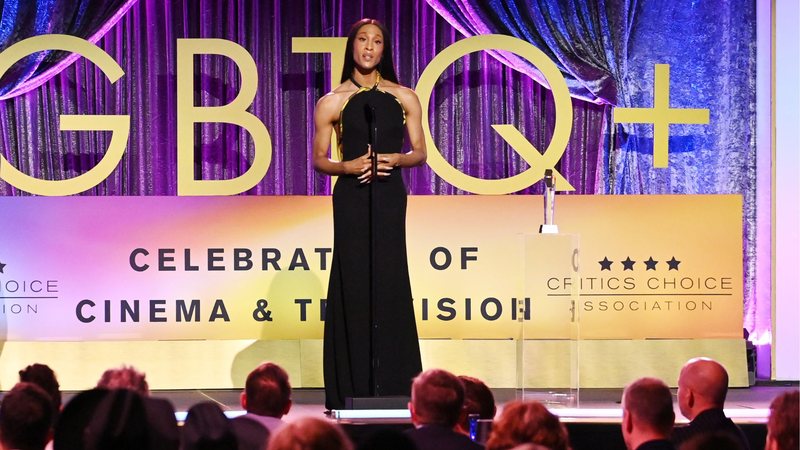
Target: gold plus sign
{"x":661,"y":116}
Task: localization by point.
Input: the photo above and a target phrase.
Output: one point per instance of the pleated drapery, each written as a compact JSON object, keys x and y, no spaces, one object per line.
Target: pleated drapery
{"x":474,"y":93}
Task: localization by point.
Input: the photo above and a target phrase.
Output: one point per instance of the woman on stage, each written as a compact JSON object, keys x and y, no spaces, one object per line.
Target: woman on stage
{"x":371,"y":346}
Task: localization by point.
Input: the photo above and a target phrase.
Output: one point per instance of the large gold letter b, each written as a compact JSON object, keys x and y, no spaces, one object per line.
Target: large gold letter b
{"x":234,"y":112}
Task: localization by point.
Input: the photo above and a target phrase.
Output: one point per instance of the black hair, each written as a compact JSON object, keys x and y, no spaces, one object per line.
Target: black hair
{"x":385,"y":66}
{"x":43,"y":376}
{"x":26,"y":415}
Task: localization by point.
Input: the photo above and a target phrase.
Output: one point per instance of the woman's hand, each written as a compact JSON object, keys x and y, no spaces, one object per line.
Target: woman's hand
{"x":387,"y":162}
{"x":361,"y":167}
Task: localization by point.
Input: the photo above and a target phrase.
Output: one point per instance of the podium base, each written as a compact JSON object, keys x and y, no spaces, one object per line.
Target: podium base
{"x":387,"y":402}
{"x":548,"y":229}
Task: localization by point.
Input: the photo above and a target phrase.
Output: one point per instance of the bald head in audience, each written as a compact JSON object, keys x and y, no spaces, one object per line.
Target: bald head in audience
{"x":702,"y":388}
{"x":702,"y":385}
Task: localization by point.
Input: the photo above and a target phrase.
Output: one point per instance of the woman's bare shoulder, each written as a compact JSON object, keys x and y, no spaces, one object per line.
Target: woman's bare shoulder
{"x":335,"y":98}
{"x":406,"y":95}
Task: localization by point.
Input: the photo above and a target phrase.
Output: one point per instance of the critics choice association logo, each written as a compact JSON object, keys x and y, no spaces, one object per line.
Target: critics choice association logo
{"x":22,"y":295}
{"x":643,"y":283}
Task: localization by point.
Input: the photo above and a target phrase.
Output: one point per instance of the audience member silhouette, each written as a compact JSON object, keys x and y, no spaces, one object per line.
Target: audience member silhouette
{"x":163,"y":428}
{"x":437,"y":399}
{"x":250,"y":435}
{"x":119,"y":422}
{"x":122,"y":416}
{"x":124,"y":377}
{"x":44,"y":377}
{"x":702,"y":388}
{"x":530,"y":446}
{"x":527,"y":423}
{"x":783,"y":426}
{"x":267,"y":396}
{"x":74,"y":418}
{"x":207,"y":428}
{"x":647,"y":415}
{"x":712,"y":440}
{"x":387,"y":439}
{"x":26,"y":417}
{"x":478,"y":400}
{"x":118,"y":419}
{"x":310,"y":433}
{"x":159,"y":412}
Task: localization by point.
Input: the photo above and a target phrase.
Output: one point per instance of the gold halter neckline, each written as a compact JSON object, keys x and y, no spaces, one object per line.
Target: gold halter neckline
{"x":377,"y":82}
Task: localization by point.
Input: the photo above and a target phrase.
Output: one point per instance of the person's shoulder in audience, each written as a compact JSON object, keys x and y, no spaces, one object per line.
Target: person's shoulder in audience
{"x":207,"y":427}
{"x":437,"y":437}
{"x":250,"y":434}
{"x":387,"y":439}
{"x":716,"y":440}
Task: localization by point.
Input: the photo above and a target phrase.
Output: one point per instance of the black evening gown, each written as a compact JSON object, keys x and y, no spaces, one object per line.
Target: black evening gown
{"x":371,"y":346}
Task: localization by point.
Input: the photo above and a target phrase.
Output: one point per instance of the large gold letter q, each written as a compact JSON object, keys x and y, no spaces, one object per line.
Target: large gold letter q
{"x":538,"y":162}
{"x":119,"y":125}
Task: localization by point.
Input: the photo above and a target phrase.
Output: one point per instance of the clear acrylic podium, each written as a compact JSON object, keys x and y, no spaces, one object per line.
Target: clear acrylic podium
{"x":549,"y":335}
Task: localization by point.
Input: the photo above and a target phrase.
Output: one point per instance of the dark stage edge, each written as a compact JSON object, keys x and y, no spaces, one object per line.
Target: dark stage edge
{"x":593,"y":423}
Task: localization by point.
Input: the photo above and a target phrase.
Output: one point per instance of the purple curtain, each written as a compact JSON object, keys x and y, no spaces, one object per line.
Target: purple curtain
{"x":585,"y":39}
{"x":607,"y":50}
{"x":474,"y":93}
{"x":89,"y":19}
